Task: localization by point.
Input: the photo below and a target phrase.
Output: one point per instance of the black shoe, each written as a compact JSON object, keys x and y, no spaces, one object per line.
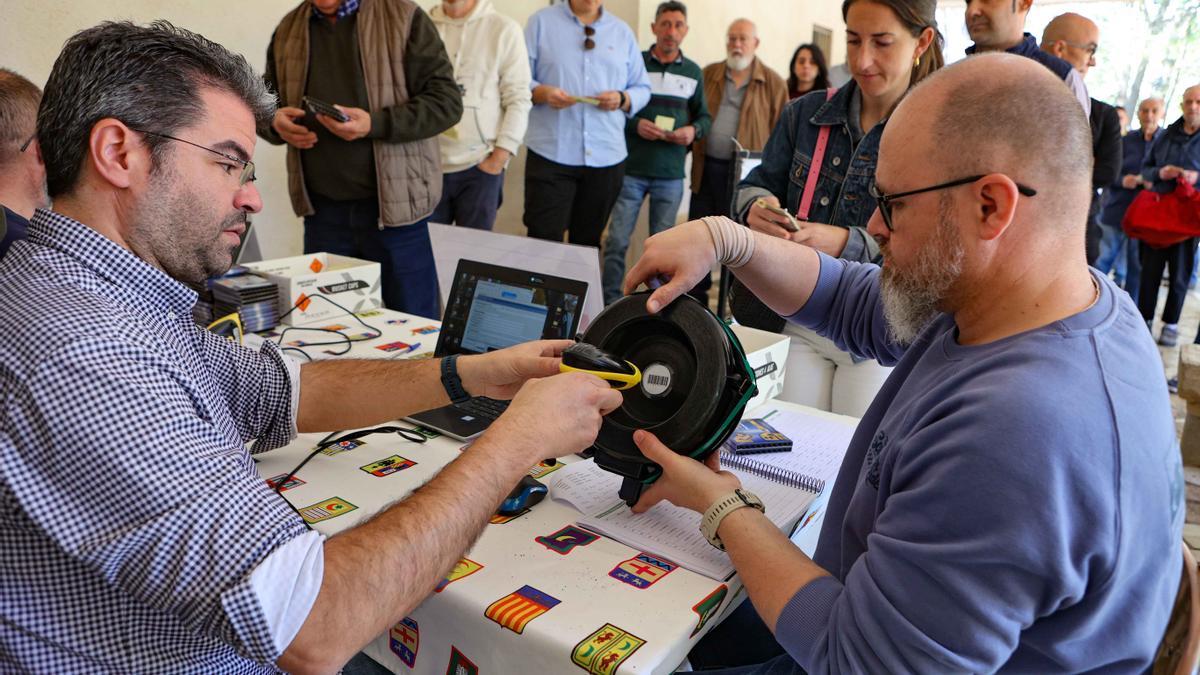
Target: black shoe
{"x":1173,"y":385}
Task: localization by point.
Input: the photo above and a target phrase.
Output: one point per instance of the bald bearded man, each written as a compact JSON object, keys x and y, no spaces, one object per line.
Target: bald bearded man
{"x":1013,"y":498}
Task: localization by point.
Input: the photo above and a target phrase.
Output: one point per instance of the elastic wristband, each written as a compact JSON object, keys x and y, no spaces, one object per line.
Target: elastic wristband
{"x":734,"y":243}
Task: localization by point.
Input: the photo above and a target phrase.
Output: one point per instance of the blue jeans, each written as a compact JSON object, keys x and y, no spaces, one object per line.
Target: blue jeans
{"x":405,"y":257}
{"x":665,"y":195}
{"x":470,"y":198}
{"x":1112,"y":253}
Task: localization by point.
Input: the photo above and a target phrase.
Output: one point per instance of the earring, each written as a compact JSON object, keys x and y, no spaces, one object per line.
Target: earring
{"x":917,"y":62}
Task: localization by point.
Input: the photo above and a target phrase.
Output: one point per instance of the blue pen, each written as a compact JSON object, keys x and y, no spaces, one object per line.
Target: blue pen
{"x":411,"y":348}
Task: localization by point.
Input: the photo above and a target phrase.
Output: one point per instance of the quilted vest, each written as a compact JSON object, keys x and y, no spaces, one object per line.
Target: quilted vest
{"x":408,"y":175}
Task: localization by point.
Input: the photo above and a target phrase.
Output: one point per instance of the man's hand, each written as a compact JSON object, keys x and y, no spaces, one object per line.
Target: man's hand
{"x":608,"y":100}
{"x":494,"y":163}
{"x":650,"y":131}
{"x":682,"y":135}
{"x":1131,"y":181}
{"x":357,"y":127}
{"x":501,"y":373}
{"x":293,"y":134}
{"x":682,"y":254}
{"x":1189,"y":175}
{"x":828,"y":239}
{"x":555,"y":416}
{"x":684,"y":481}
{"x":1169,"y":172}
{"x":762,"y":220}
{"x":553,"y":96}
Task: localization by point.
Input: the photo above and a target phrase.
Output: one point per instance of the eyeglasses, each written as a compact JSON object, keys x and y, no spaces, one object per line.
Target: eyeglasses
{"x":28,"y":141}
{"x":1090,"y":47}
{"x":247,"y":175}
{"x":588,"y":43}
{"x":885,"y":200}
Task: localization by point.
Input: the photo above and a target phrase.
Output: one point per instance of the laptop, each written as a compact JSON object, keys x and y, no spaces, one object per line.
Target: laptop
{"x":492,"y":307}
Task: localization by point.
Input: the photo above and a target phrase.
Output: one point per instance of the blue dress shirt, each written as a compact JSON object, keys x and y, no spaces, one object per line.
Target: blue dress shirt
{"x":583,"y":135}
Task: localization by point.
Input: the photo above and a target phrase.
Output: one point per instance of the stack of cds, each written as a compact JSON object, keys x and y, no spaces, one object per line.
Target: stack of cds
{"x":254,"y":298}
{"x":202,"y":311}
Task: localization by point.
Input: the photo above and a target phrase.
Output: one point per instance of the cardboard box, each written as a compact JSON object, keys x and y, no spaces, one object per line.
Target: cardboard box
{"x":350,"y":282}
{"x":767,"y":354}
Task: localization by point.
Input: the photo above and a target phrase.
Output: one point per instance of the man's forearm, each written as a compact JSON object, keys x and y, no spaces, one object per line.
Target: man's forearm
{"x":411,"y":545}
{"x":353,"y":393}
{"x":772,"y":568}
{"x":781,"y":273}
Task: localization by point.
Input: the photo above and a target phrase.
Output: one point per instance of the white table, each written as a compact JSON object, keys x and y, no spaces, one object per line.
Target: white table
{"x":575,"y":617}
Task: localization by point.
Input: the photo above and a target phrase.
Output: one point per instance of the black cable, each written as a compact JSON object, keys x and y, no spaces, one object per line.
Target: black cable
{"x":410,"y":435}
{"x":346,"y":340}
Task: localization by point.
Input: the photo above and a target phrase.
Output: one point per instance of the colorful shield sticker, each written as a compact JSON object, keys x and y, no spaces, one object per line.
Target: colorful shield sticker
{"x":515,"y":610}
{"x":602,"y":652}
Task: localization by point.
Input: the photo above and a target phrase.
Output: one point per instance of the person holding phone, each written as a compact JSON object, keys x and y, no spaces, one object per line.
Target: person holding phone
{"x":891,"y":45}
{"x":365,"y":185}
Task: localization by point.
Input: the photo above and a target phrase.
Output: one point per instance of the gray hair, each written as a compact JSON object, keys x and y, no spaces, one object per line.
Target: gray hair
{"x":19,"y":100}
{"x":149,"y":77}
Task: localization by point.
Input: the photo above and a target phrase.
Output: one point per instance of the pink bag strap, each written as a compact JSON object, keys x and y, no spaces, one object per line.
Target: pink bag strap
{"x":814,"y":170}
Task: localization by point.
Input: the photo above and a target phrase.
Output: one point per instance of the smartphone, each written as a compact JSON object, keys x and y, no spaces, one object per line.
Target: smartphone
{"x":318,"y":107}
{"x":790,"y":225}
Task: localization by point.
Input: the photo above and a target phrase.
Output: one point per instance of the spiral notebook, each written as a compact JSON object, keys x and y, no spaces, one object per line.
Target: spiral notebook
{"x":673,"y":533}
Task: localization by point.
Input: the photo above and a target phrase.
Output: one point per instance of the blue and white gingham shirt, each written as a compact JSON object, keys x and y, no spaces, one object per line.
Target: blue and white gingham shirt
{"x":132,"y":521}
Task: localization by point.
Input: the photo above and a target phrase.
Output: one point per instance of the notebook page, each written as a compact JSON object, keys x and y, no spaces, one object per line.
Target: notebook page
{"x":666,"y":530}
{"x":818,"y":443}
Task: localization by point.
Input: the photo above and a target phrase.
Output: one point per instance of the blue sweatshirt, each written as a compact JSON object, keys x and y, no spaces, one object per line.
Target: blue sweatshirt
{"x":1012,"y":506}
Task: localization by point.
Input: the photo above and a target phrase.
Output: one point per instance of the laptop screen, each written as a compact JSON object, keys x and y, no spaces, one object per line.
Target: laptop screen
{"x":493,"y":307}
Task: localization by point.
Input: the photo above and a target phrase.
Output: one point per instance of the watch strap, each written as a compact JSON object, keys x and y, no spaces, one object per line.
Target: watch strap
{"x":721,"y":508}
{"x":452,"y":382}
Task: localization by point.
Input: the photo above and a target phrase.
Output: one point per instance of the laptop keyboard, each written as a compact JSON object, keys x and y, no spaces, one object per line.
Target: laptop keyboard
{"x":482,"y":406}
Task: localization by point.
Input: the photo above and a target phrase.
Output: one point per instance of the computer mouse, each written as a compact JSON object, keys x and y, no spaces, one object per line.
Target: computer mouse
{"x":526,"y":494}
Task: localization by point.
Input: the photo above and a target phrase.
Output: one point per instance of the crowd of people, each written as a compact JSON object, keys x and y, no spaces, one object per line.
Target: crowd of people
{"x":924,"y":233}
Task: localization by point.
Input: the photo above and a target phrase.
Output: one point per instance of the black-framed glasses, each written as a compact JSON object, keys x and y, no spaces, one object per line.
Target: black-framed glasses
{"x":588,"y":43}
{"x":885,"y":200}
{"x":247,"y":175}
{"x":1090,"y":47}
{"x":28,"y":141}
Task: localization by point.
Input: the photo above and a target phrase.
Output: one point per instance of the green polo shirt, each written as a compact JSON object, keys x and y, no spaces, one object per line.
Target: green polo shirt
{"x":676,"y":91}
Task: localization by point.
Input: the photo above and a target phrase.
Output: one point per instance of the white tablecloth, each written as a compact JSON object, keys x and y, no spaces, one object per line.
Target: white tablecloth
{"x":535,"y":594}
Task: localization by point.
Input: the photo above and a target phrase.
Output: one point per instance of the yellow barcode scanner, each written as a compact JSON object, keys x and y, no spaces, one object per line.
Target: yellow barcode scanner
{"x":584,"y":358}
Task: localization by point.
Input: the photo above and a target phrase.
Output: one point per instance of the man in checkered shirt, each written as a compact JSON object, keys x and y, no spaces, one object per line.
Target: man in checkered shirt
{"x":135,"y":534}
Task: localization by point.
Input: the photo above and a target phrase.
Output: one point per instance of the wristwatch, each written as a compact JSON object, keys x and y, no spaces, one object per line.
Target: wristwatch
{"x":624,"y":97}
{"x":452,"y":382}
{"x":723,"y":507}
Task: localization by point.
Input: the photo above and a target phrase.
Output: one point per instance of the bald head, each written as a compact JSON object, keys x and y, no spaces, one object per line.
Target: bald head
{"x":997,"y":113}
{"x":1074,"y":39}
{"x":744,"y":26}
{"x":1191,"y":108}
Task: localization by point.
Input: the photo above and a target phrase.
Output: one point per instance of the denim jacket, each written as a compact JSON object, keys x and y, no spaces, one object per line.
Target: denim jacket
{"x":842,"y":197}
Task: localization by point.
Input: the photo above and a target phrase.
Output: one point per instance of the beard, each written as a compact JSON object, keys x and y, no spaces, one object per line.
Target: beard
{"x":174,"y":230}
{"x":912,"y":298}
{"x":734,"y":62}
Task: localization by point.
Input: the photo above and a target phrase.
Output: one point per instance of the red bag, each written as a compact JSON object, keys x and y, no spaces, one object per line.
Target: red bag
{"x":1163,"y":220}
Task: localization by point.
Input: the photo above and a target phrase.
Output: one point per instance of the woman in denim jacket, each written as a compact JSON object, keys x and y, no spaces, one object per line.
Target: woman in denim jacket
{"x":891,"y":45}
